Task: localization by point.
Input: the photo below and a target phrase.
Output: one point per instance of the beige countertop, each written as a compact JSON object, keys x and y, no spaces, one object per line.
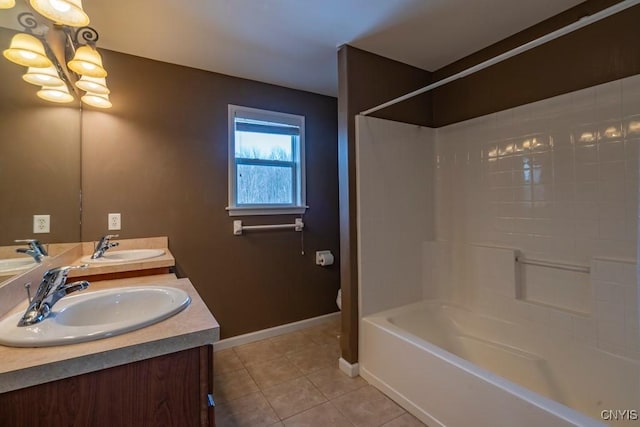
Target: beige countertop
{"x":193,"y":327}
{"x":165,"y":260}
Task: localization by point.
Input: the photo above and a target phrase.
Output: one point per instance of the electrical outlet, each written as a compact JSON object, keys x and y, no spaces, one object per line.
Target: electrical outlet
{"x":41,"y":223}
{"x":114,"y":221}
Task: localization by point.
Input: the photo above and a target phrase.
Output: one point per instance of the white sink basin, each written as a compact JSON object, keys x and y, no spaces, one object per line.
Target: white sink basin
{"x":16,"y":265}
{"x":127,"y":255}
{"x":94,"y":315}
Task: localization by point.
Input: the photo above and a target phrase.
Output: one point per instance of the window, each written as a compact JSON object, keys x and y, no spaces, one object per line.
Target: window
{"x":266,"y":162}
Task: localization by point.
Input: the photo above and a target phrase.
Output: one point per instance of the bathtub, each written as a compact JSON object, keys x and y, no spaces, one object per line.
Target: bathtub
{"x":452,"y":367}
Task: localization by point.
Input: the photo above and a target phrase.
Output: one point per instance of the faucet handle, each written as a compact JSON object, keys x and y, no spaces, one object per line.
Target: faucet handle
{"x":54,"y":273}
{"x":26,"y":241}
{"x":36,"y":249}
{"x":66,"y":269}
{"x":104,"y":240}
{"x":57,"y":277}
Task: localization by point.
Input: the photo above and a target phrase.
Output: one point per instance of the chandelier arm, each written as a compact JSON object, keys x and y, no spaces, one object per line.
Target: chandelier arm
{"x":28,"y":22}
{"x":86,"y":35}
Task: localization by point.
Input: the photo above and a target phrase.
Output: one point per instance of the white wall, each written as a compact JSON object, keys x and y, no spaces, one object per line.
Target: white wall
{"x":395,"y":210}
{"x":553,"y":180}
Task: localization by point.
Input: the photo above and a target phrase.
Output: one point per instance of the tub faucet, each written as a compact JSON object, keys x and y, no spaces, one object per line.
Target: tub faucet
{"x":52,"y":287}
{"x":104,"y":245}
{"x":36,"y":250}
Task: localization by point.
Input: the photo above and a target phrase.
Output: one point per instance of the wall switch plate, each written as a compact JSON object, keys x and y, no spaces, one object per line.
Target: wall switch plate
{"x":41,"y":224}
{"x":114,"y":221}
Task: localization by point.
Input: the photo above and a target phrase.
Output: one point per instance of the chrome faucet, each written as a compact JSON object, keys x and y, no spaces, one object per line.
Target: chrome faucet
{"x":104,"y":245}
{"x":36,"y":250}
{"x":52,"y":287}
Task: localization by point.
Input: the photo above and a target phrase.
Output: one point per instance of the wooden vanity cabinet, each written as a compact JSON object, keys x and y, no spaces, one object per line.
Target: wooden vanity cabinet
{"x":168,"y":390}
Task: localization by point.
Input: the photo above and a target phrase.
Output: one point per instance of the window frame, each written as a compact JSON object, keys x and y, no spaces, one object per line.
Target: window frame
{"x":298,"y":205}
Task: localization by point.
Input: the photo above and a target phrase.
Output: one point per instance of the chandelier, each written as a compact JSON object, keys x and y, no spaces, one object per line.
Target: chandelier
{"x":74,"y":68}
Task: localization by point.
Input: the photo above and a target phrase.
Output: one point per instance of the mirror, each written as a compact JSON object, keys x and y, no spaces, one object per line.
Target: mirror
{"x":40,"y":169}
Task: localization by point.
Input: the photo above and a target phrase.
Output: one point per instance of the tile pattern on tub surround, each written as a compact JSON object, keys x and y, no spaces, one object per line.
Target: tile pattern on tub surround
{"x":292,"y":380}
{"x":556,"y":180}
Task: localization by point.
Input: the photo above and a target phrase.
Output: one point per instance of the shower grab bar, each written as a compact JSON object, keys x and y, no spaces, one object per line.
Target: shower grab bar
{"x":551,"y":264}
{"x":238,"y":228}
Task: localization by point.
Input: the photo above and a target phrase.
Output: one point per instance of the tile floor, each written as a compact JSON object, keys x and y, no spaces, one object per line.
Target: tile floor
{"x":293,"y":380}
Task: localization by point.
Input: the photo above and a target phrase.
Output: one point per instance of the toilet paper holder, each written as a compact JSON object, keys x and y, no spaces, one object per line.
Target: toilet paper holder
{"x":324,"y":258}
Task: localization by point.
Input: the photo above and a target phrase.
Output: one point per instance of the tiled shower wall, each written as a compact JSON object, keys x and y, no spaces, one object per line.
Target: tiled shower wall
{"x":554,"y":180}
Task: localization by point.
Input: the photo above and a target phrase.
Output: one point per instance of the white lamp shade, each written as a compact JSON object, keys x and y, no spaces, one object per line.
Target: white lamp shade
{"x":96,"y":85}
{"x":65,"y":12}
{"x":87,"y":62}
{"x":43,"y":76}
{"x":7,"y":4}
{"x":27,"y":50}
{"x":58,"y":94}
{"x":96,"y":100}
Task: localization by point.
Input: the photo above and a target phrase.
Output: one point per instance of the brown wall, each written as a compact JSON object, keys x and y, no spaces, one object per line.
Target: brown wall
{"x":39,"y":159}
{"x":159,"y":157}
{"x":365,"y":80}
{"x":602,"y":52}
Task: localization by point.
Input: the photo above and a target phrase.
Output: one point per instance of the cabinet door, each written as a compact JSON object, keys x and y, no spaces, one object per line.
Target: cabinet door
{"x":166,"y":390}
{"x":207,"y":410}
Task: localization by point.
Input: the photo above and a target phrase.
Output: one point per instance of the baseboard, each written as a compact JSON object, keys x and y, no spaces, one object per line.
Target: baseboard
{"x":350,"y":369}
{"x":400,"y":399}
{"x":273,"y":332}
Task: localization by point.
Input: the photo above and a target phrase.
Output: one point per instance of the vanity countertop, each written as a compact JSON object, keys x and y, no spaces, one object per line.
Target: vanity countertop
{"x":193,"y":327}
{"x":94,"y":269}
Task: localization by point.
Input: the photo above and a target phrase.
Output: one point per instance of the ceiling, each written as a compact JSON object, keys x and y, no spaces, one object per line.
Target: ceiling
{"x":293,"y":43}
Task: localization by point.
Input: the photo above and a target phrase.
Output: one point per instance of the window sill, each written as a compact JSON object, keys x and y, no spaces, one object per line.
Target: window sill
{"x":264,"y":210}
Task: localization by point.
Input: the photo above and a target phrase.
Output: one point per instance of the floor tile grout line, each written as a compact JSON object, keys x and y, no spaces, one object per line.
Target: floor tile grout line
{"x":273,"y":385}
{"x":321,"y":394}
{"x":270,"y":406}
{"x":320,"y":404}
{"x":305,"y":410}
{"x":393,"y":419}
{"x":341,"y":413}
{"x":310,"y":382}
{"x":261,"y":390}
{"x":313,"y":385}
{"x":303,"y":373}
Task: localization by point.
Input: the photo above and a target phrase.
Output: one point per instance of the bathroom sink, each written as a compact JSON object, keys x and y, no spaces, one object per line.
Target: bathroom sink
{"x":127,"y":255}
{"x":16,"y":265}
{"x":94,"y":315}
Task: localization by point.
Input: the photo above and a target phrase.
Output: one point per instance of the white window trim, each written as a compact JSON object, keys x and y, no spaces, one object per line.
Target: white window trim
{"x":265,"y":115}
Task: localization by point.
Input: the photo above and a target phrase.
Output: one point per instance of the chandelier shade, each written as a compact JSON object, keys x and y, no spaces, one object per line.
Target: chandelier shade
{"x":27,"y":50}
{"x":87,"y":62}
{"x":96,"y":85}
{"x":7,"y":4}
{"x":64,"y":12}
{"x":59,"y":94}
{"x":43,"y":76}
{"x":96,"y":100}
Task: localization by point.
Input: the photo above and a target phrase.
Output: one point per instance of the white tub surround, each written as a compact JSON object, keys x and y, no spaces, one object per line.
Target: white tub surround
{"x":521,"y":229}
{"x":394,"y":206}
{"x":458,"y":368}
